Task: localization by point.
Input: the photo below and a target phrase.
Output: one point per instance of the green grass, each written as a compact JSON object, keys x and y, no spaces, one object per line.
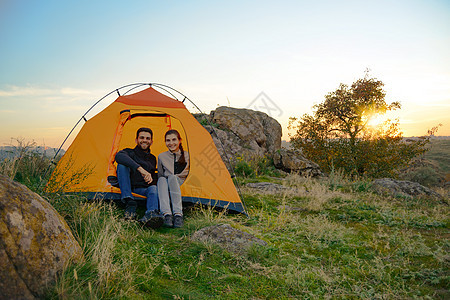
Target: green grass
{"x":350,"y":245}
{"x":440,"y":153}
{"x":328,"y":238}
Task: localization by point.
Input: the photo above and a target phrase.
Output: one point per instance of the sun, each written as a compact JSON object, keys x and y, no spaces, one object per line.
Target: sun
{"x":376,"y":120}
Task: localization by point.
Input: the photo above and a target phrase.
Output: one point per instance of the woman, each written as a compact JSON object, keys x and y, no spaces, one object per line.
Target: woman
{"x":173,"y":168}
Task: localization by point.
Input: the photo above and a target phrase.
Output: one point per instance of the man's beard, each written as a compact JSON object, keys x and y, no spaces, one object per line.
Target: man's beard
{"x":147,"y":146}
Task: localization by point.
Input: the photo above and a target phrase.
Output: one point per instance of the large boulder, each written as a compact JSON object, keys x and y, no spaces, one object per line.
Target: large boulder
{"x":250,"y":135}
{"x":227,"y":237}
{"x":292,"y":161}
{"x":244,"y":132}
{"x":403,"y":188}
{"x":35,"y":242}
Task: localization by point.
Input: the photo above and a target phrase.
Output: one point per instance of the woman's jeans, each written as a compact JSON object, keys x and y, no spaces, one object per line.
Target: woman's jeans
{"x":169,"y":193}
{"x":123,"y":175}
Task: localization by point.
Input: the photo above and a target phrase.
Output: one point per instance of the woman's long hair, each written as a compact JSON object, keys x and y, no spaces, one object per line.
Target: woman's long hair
{"x":181,"y":160}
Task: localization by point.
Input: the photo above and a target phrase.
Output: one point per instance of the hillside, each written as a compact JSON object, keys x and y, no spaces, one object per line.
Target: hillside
{"x":440,"y":153}
{"x":432,"y":168}
{"x":326,"y":238}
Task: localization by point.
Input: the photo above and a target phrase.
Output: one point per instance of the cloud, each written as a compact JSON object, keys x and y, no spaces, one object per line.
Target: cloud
{"x":36,"y":91}
{"x":17,"y":91}
{"x":64,"y":108}
{"x":58,"y":129}
{"x":72,"y":91}
{"x":45,"y":99}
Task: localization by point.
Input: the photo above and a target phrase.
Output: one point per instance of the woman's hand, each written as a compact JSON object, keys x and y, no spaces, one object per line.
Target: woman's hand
{"x":147,"y":176}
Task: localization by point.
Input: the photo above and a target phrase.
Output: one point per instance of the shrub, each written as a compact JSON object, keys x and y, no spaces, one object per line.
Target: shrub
{"x":27,"y":164}
{"x":255,"y":166}
{"x":244,"y":169}
{"x":339,"y":133}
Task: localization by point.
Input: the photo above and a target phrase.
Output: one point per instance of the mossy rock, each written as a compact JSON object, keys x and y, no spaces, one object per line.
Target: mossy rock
{"x":36,"y":243}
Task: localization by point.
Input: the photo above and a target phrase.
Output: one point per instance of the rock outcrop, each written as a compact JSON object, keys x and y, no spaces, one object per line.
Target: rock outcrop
{"x":253,"y":134}
{"x":402,"y":188}
{"x":293,"y":161}
{"x":227,"y":237}
{"x":35,"y":242}
{"x":245,"y":132}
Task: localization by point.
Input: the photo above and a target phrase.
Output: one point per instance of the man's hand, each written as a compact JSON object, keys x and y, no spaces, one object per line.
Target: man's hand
{"x":147,"y":176}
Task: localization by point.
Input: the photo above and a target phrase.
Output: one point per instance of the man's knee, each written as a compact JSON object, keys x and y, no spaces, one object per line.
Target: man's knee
{"x":122,"y":170}
{"x":152,"y":189}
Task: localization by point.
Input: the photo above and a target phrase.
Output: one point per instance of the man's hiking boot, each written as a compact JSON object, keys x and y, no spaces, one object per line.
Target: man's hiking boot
{"x":125,"y":200}
{"x":177,"y":221}
{"x":168,"y":221}
{"x":130,"y":210}
{"x":152,"y":219}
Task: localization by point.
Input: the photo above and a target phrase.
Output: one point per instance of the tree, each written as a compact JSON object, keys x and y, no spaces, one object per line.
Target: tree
{"x":339,"y":135}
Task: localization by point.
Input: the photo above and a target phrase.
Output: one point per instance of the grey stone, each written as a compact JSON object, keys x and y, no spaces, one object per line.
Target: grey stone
{"x":290,"y":161}
{"x":267,"y":186}
{"x":402,"y":188}
{"x":227,"y":237}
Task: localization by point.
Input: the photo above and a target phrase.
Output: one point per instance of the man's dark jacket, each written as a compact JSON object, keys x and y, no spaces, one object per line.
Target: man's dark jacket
{"x":135,"y":158}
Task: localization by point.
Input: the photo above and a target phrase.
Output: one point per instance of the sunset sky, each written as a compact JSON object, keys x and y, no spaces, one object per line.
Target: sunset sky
{"x":58,"y":57}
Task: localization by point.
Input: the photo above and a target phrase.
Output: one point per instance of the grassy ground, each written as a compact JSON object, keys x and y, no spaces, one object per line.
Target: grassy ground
{"x":327,"y":239}
{"x":440,"y":153}
{"x":433,"y":168}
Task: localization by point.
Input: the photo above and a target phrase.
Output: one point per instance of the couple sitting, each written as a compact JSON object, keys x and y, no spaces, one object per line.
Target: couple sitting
{"x":136,"y":173}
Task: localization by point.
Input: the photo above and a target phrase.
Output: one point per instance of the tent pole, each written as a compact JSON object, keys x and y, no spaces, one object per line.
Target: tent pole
{"x":83,"y":117}
{"x":163,"y":87}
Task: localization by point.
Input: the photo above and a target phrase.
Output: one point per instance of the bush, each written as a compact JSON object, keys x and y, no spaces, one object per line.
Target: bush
{"x":243,"y":168}
{"x":27,"y":164}
{"x":339,"y":133}
{"x":255,"y":166}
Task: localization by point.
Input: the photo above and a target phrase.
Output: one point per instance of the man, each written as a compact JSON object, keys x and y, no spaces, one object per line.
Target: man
{"x":136,"y":173}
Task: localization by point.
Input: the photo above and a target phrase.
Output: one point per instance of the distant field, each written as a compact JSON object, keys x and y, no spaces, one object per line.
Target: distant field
{"x":14,"y":151}
{"x":440,"y":153}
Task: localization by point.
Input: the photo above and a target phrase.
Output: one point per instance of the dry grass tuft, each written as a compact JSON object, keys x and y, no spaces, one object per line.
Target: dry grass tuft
{"x":112,"y":269}
{"x":315,"y":192}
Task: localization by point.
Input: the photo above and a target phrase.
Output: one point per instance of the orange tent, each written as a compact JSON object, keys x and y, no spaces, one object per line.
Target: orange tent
{"x":89,"y":161}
